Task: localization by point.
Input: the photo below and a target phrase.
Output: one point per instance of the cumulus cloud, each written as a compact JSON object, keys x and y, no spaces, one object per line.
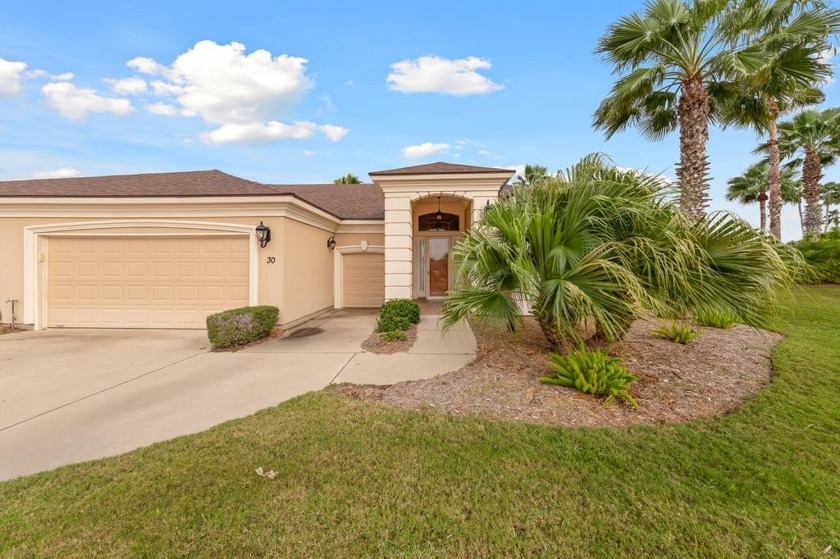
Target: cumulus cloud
{"x":144,"y":65}
{"x":242,"y":94}
{"x":425,"y":149}
{"x":434,"y":74}
{"x":257,"y":133}
{"x":63,"y":77}
{"x":75,"y":103}
{"x":128,"y":86}
{"x":10,"y":73}
{"x":163,"y":109}
{"x":60,"y":173}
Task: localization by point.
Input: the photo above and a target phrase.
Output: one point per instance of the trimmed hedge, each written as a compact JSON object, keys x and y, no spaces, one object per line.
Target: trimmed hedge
{"x":823,"y":253}
{"x":397,"y":315}
{"x":240,"y":326}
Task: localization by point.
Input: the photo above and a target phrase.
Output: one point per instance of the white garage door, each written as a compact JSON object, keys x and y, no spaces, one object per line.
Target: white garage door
{"x":144,"y":282}
{"x":364,"y":279}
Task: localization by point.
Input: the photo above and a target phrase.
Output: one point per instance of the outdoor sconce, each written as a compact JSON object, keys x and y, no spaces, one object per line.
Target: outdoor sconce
{"x":331,"y":243}
{"x":263,"y":234}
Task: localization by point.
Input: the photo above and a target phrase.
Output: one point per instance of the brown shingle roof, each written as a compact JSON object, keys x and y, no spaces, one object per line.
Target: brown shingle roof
{"x":191,"y":183}
{"x":440,"y":168}
{"x":345,"y":201}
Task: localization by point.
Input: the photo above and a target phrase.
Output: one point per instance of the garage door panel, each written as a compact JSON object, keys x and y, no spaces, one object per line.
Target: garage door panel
{"x":144,"y":282}
{"x":364,"y":279}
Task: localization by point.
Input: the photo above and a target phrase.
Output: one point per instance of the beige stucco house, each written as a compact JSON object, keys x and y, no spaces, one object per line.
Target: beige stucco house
{"x":165,"y":250}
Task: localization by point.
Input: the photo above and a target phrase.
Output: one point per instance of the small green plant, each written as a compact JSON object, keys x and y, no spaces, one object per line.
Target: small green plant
{"x":393,"y":336}
{"x":591,"y":372}
{"x":715,"y":319}
{"x":398,"y":314}
{"x":240,"y":326}
{"x":677,"y":333}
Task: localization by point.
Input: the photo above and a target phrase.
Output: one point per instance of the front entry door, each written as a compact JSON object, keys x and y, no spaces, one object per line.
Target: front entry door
{"x":438,"y":266}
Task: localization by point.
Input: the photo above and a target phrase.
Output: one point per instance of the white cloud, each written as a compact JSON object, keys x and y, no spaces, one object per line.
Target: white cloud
{"x":520,"y":170}
{"x":311,"y":153}
{"x":60,"y":173}
{"x":10,"y":73}
{"x":242,"y":94}
{"x":424,"y":150}
{"x":332,"y":132}
{"x":433,"y":74}
{"x":75,"y":103}
{"x":128,"y":86}
{"x":144,"y":65}
{"x":257,"y":133}
{"x":163,"y":109}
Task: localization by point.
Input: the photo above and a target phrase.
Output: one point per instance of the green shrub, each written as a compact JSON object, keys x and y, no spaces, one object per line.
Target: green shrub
{"x":393,"y":336}
{"x":823,"y":254}
{"x":240,"y":326}
{"x":398,"y":314}
{"x":677,"y":333}
{"x":715,"y":319}
{"x":591,"y":372}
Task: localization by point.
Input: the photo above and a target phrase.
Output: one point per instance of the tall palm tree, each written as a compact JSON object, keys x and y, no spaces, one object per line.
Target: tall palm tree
{"x":676,"y":51}
{"x":531,"y":175}
{"x":830,"y":197}
{"x":815,"y":137}
{"x":794,"y":36}
{"x":753,"y":186}
{"x":347,"y":179}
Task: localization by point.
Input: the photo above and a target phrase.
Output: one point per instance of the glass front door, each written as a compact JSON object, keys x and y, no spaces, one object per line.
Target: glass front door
{"x":438,"y":266}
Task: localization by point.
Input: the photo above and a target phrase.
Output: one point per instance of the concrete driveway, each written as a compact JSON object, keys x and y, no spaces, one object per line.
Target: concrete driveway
{"x":68,"y":396}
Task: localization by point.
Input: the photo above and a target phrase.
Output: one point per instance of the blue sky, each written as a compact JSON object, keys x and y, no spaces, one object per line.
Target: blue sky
{"x":343,"y":87}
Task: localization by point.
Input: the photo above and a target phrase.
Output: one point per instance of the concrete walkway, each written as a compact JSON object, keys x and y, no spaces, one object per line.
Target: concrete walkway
{"x":68,"y":396}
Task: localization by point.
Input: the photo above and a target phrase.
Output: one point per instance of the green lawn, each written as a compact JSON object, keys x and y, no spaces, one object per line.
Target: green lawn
{"x":358,"y":479}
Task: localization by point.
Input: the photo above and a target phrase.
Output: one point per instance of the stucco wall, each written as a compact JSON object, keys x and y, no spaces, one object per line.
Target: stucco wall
{"x":307,"y":271}
{"x":271,"y":277}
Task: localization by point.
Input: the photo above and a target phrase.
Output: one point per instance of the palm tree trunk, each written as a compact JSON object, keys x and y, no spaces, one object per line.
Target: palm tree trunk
{"x":762,"y":207}
{"x":775,"y":172}
{"x":693,"y":113}
{"x":811,"y":175}
{"x":801,"y":219}
{"x":548,"y":325}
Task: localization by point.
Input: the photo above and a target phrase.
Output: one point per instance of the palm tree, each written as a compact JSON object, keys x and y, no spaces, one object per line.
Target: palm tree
{"x":600,"y":246}
{"x":754,"y":184}
{"x":347,"y":179}
{"x":815,"y":135}
{"x":830,"y":197}
{"x":675,"y":52}
{"x":795,"y":36}
{"x":531,"y":175}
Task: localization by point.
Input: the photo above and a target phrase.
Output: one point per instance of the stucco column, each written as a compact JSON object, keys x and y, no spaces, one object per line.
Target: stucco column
{"x":480,"y":202}
{"x":399,"y":247}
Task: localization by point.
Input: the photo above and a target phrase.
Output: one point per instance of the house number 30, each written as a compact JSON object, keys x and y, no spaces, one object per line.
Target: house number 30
{"x":270,"y":260}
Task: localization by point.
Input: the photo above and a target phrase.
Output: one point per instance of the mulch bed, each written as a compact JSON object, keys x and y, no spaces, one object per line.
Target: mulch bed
{"x":9,"y":330}
{"x":710,"y":376}
{"x":375,"y":344}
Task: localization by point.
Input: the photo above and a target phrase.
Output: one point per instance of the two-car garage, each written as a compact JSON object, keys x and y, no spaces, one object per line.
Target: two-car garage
{"x":144,"y":282}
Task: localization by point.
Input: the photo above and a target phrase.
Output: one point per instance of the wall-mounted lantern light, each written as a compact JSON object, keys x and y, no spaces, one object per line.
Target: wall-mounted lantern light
{"x":331,"y":243}
{"x":263,"y":234}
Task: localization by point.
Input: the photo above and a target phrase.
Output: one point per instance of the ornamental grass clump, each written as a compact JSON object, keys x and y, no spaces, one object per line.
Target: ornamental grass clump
{"x":677,"y":333}
{"x":591,"y":372}
{"x":715,"y":319}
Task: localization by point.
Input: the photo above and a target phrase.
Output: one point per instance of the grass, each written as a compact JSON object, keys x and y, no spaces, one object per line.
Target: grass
{"x":359,"y":479}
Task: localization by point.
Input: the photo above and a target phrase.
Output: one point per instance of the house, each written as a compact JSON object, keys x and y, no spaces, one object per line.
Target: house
{"x":165,"y":250}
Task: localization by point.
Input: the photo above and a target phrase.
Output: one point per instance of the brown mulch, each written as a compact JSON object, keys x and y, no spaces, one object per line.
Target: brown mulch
{"x":9,"y":330}
{"x":375,"y":344}
{"x":710,"y":376}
